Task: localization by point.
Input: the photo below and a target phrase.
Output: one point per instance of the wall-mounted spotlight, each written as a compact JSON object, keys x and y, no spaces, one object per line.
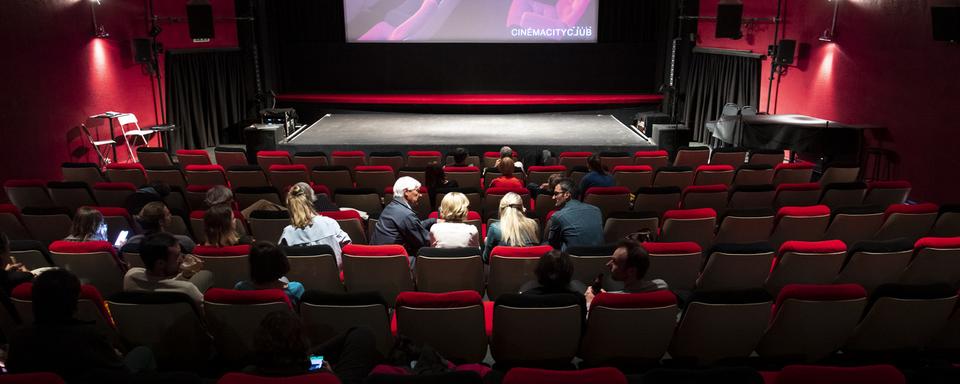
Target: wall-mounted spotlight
{"x":98,"y":30}
{"x":830,"y":35}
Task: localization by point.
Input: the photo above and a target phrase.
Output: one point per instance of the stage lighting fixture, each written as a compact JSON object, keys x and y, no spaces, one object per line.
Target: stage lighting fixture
{"x":829,"y":35}
{"x":98,"y":30}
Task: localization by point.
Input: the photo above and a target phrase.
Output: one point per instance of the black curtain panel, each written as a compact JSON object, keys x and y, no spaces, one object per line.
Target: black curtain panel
{"x":207,"y":94}
{"x":714,"y":80}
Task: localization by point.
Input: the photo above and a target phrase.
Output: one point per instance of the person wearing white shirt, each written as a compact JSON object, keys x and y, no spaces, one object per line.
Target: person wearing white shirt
{"x":451,"y":231}
{"x":307,"y":228}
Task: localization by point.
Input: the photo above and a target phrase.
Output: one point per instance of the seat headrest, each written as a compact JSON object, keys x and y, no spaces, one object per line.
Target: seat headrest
{"x":825,"y":246}
{"x":798,"y":165}
{"x":715,"y":168}
{"x":439,"y":300}
{"x":798,"y":187}
{"x":273,"y":154}
{"x":690,"y":214}
{"x":882,"y":246}
{"x":912,"y":209}
{"x":505,"y":190}
{"x":61,"y":246}
{"x":191,"y":152}
{"x":229,"y":149}
{"x":821,"y":292}
{"x":373,"y":168}
{"x":451,"y":168}
{"x":235,"y":250}
{"x":121,"y":166}
{"x":424,"y":153}
{"x":576,"y":154}
{"x":342,"y":215}
{"x":672,"y":248}
{"x":232,"y":296}
{"x":347,"y":154}
{"x":632,"y":168}
{"x":199,"y":188}
{"x":374,"y":250}
{"x":287,"y":168}
{"x":520,"y":252}
{"x":448,"y":252}
{"x":813,"y":210}
{"x":655,"y":299}
{"x":660,"y":153}
{"x":745,"y":296}
{"x":938,"y":242}
{"x":547,"y":168}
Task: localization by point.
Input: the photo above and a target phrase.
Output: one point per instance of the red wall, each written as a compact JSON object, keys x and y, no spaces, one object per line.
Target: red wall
{"x":57,"y":74}
{"x":882,"y":69}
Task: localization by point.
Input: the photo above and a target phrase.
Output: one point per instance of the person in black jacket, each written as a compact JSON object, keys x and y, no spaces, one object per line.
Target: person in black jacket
{"x":398,"y":223}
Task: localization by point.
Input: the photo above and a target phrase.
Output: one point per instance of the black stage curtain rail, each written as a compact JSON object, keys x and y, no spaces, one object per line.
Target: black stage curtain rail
{"x":207,"y":94}
{"x":714,"y":80}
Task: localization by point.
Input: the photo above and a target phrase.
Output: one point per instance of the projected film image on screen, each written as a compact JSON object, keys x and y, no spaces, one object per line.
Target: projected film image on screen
{"x":470,"y":21}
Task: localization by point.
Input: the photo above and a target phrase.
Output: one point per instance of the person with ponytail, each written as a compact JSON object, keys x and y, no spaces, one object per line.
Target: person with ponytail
{"x":514,"y":228}
{"x":308,"y":228}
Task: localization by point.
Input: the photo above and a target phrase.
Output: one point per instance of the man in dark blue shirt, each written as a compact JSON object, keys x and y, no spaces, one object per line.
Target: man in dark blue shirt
{"x":574,"y":223}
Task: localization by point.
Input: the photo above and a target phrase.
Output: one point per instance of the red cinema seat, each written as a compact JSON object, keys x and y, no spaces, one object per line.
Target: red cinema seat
{"x":696,"y":225}
{"x":654,"y":159}
{"x":652,"y":316}
{"x":209,"y":174}
{"x":267,"y":158}
{"x":451,"y":322}
{"x":192,"y":157}
{"x":379,"y":268}
{"x":232,"y":316}
{"x":800,"y":223}
{"x":806,"y":262}
{"x":133,"y":173}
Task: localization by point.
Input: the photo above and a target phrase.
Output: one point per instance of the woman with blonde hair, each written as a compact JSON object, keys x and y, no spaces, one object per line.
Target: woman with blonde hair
{"x":514,"y":228}
{"x":450,"y":231}
{"x":306,"y":227}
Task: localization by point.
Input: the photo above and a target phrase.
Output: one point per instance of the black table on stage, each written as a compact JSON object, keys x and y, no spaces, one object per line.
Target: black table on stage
{"x":803,"y":134}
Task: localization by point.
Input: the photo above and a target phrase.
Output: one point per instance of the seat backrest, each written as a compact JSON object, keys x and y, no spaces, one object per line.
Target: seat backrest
{"x":922,"y":310}
{"x":829,"y":311}
{"x":657,"y":199}
{"x":315,"y":267}
{"x":797,"y":195}
{"x":28,"y":193}
{"x":736,"y":267}
{"x":948,"y":223}
{"x":840,"y":174}
{"x":874,"y":263}
{"x":282,"y":176}
{"x":574,"y":159}
{"x":209,"y":174}
{"x":449,"y":269}
{"x":31,"y":253}
{"x":84,"y":172}
{"x":90,"y":308}
{"x":422,"y":158}
{"x":713,"y":196}
{"x":169,"y":323}
{"x":934,"y":261}
{"x":692,"y":157}
{"x":714,"y":174}
{"x":349,"y":159}
{"x":721,"y":325}
{"x":608,"y":199}
{"x":363,"y":199}
{"x":745,"y":227}
{"x":696,"y":225}
{"x":676,"y":263}
{"x":754,"y":174}
{"x":909,"y":221}
{"x":230,"y":156}
{"x":466,"y":177}
{"x":390,"y":159}
{"x":872,"y":374}
{"x":418,"y":173}
{"x":655,"y":159}
{"x":621,"y":224}
{"x":771,"y":157}
{"x":838,"y":195}
{"x":800,"y":223}
{"x":650,"y":316}
{"x":374,"y":176}
{"x":193,"y":157}
{"x":172,"y":175}
{"x":681,"y":177}
{"x":380,"y":268}
{"x":351,"y":223}
{"x":590,"y":262}
{"x":46,"y":225}
{"x":451,"y":322}
{"x":611,"y":160}
{"x":852,"y":225}
{"x":734,"y":157}
{"x":10,"y":223}
{"x":268,"y":225}
{"x":232,"y":316}
{"x":557,"y":319}
{"x":132,"y":173}
{"x":267,"y":158}
{"x":94,"y":262}
{"x":511,"y":267}
{"x":792,"y":173}
{"x":491,"y":200}
{"x":326,"y":315}
{"x":247,"y":196}
{"x":154,"y":157}
{"x":806,"y":262}
{"x":229,"y":265}
{"x":333,"y":176}
{"x":70,"y":194}
{"x":633,"y":177}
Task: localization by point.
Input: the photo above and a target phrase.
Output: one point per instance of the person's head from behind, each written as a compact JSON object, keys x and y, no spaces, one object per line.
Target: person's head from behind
{"x":268,"y":263}
{"x":55,"y":293}
{"x":162,"y":189}
{"x":514,"y":231}
{"x":506,"y":166}
{"x":307,"y":191}
{"x":218,"y":195}
{"x":408,"y":189}
{"x":553,"y":179}
{"x":593,"y":162}
{"x":154,"y":217}
{"x":161,"y":254}
{"x":460,"y":156}
{"x":630,"y":261}
{"x":554,"y":269}
{"x":88,"y":225}
{"x":434,"y":175}
{"x":563,"y":191}
{"x":454,"y":207}
{"x":505,"y":152}
{"x":219,"y":227}
{"x":280,"y":342}
{"x":300,"y":206}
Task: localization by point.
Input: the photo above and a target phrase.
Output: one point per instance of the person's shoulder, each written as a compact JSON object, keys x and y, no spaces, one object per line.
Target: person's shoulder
{"x":135,"y":272}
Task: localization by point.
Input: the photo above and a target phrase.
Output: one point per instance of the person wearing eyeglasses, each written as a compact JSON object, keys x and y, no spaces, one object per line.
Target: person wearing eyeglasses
{"x":574,"y":223}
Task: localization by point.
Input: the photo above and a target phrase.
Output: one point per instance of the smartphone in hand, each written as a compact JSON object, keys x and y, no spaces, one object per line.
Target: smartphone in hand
{"x":597,"y":284}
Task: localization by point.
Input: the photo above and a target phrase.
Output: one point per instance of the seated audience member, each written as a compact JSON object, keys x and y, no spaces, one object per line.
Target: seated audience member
{"x":88,"y":225}
{"x":306,"y":227}
{"x":155,"y":191}
{"x":399,"y":223}
{"x":574,"y":223}
{"x":282,"y":349}
{"x":164,"y":270}
{"x":320,"y":203}
{"x":544,"y":188}
{"x":154,"y":218}
{"x":222,"y":195}
{"x":554,"y":275}
{"x":629,"y":264}
{"x":268,"y":265}
{"x":451,"y":231}
{"x":460,"y":158}
{"x":514,"y":229}
{"x":506,"y":179}
{"x":436,"y":180}
{"x":220,"y":227}
{"x":14,"y":273}
{"x":597,"y":177}
{"x":59,"y":343}
{"x":507,"y":153}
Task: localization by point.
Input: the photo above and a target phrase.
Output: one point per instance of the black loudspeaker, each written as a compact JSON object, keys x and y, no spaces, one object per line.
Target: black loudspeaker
{"x":261,"y":137}
{"x":200,"y":20}
{"x":142,"y":51}
{"x":729,"y":18}
{"x":946,"y":23}
{"x":785,"y":52}
{"x":670,"y":137}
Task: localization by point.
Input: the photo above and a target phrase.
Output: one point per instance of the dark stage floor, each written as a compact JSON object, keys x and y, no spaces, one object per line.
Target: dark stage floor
{"x":526,"y":133}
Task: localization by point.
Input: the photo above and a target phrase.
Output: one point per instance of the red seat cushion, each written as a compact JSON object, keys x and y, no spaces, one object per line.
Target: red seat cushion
{"x":374,"y":250}
{"x":826,"y":246}
{"x":209,"y":250}
{"x":199,"y":188}
{"x":320,"y":188}
{"x":715,"y":168}
{"x":273,"y":154}
{"x":137,"y":166}
{"x":9,"y":208}
{"x":191,"y":152}
{"x":342,"y":215}
{"x":439,"y":300}
{"x":205,"y":168}
{"x":912,"y":209}
{"x":520,"y":252}
{"x":576,"y":154}
{"x":348,"y":154}
{"x":258,"y":296}
{"x":632,"y":168}
{"x":870,"y":374}
{"x":672,"y":248}
{"x":24,"y":183}
{"x":547,"y":168}
{"x":61,"y":246}
{"x":608,"y":191}
{"x":660,"y":153}
{"x":689,"y":214}
{"x":798,"y":165}
{"x":938,"y":242}
{"x":655,"y":299}
{"x":813,"y":210}
{"x":288,"y":168}
{"x":461,"y":169}
{"x":424,"y":153}
{"x":820,"y":292}
{"x":373,"y":168}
